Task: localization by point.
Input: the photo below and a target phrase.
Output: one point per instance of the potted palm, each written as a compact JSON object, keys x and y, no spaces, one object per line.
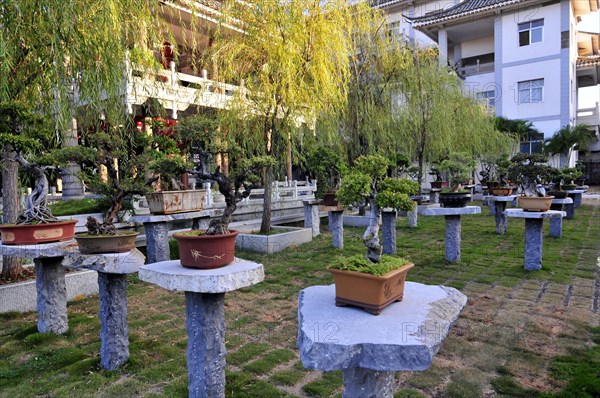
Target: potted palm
{"x":458,"y":168}
{"x":530,"y":170}
{"x":373,"y":281}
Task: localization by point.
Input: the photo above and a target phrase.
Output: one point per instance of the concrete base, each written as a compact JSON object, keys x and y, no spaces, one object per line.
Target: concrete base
{"x":312,"y":220}
{"x":51,"y":295}
{"x":367,"y":348}
{"x":114,"y":332}
{"x":556,"y":227}
{"x":157,"y":242}
{"x":412,"y":217}
{"x":388,"y":221}
{"x":500,"y":218}
{"x":274,"y":243}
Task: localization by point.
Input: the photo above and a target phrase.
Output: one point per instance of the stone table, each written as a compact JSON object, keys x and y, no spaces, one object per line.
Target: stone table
{"x":50,"y":261}
{"x":577,"y":196}
{"x":499,"y":204}
{"x":336,"y":224}
{"x":369,"y":349}
{"x":453,"y":226}
{"x":205,"y":314}
{"x":533,"y":234}
{"x":311,"y":216}
{"x":566,"y":205}
{"x":155,"y":228}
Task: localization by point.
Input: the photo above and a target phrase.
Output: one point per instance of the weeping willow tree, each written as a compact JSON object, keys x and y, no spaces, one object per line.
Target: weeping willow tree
{"x":436,"y":117}
{"x":60,"y":56}
{"x":292,"y":59}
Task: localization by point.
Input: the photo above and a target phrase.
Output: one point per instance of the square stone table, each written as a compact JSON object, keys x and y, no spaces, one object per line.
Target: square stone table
{"x":205,"y":315}
{"x":534,"y":222}
{"x":369,"y":349}
{"x":453,"y":226}
{"x":50,"y":260}
{"x":499,"y":204}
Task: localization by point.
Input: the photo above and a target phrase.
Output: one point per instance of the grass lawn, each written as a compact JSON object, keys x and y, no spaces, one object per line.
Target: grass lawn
{"x":521,"y":334}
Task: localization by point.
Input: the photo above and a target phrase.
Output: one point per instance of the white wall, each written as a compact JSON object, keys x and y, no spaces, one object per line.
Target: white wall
{"x":484,"y":82}
{"x":471,"y":48}
{"x":550,"y":44}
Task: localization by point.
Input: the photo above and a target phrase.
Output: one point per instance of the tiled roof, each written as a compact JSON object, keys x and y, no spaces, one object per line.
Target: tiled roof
{"x":384,"y":3}
{"x":467,"y":7}
{"x":584,"y":62}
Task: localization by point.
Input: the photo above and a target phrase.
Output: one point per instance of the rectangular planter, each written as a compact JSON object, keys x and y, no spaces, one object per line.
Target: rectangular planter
{"x":22,"y":296}
{"x":274,"y":243}
{"x":168,"y":202}
{"x":370,"y":292}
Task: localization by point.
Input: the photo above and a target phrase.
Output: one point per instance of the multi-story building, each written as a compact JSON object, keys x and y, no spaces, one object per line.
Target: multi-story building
{"x":527,"y":58}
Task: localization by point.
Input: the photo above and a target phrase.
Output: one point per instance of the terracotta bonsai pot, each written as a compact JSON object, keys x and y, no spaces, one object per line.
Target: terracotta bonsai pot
{"x":119,"y":243}
{"x":329,"y":199}
{"x":169,"y":202}
{"x":370,"y":292}
{"x":439,"y":184}
{"x":535,"y":203}
{"x":206,"y":251}
{"x":32,"y":234}
{"x":496,"y":191}
{"x":451,"y":199}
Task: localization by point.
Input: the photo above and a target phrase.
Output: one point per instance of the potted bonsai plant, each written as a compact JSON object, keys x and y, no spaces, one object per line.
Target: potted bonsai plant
{"x":36,"y":224}
{"x":530,"y":171}
{"x":214,"y":247}
{"x":570,"y":175}
{"x":503,"y":187}
{"x":458,"y":168}
{"x":555,"y":185}
{"x":171,"y":166}
{"x":372,"y":282}
{"x":325,"y":165}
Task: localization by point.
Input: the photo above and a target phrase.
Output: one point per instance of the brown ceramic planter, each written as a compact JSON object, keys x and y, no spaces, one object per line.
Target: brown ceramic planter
{"x":439,"y":184}
{"x":119,"y":243}
{"x":535,"y":203}
{"x":169,"y":202}
{"x":32,"y":234}
{"x":329,"y":199}
{"x":369,"y":292}
{"x":206,"y":251}
{"x":501,"y":191}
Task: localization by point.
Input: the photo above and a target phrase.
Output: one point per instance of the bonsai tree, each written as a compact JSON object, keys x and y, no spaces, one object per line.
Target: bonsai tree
{"x":458,"y":168}
{"x":570,"y":174}
{"x":367,"y":182}
{"x":529,"y":170}
{"x":325,"y":165}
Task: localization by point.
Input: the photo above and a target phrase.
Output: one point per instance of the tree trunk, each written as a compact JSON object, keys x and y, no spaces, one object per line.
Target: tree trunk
{"x":288,"y":160}
{"x":265,"y":226}
{"x":371,"y":235}
{"x":72,"y":185}
{"x":421,"y":160}
{"x":11,"y":266}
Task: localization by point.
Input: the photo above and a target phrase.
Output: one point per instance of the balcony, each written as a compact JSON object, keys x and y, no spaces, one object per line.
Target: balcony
{"x":589,"y":116}
{"x":477,"y":69}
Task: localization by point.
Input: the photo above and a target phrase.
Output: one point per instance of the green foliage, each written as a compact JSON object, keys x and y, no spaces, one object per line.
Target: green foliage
{"x":570,"y":138}
{"x":394,"y":193}
{"x":76,"y":206}
{"x":570,"y":174}
{"x":21,"y":129}
{"x":170,"y":169}
{"x":359,"y":263}
{"x":529,"y":170}
{"x":325,"y":165}
{"x":355,"y":187}
{"x":458,"y":168}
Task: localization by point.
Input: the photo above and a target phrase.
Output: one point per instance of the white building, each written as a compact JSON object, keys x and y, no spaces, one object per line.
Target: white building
{"x":526,"y":57}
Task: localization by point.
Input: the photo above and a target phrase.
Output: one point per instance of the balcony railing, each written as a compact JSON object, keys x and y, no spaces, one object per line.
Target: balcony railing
{"x":465,"y":71}
{"x":589,"y":116}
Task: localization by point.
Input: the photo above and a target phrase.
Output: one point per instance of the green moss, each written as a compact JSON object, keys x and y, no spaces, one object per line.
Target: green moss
{"x":246,"y":353}
{"x":269,"y":361}
{"x":462,"y":389}
{"x":325,"y":386}
{"x":409,"y":394}
{"x":76,"y":206}
{"x":359,"y":263}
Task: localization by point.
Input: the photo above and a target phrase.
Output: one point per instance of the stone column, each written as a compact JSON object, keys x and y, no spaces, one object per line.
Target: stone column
{"x":556,"y":227}
{"x":443,"y":47}
{"x":570,"y":209}
{"x":72,"y":186}
{"x":361,"y":382}
{"x":577,"y":200}
{"x":329,"y":221}
{"x":434,"y":196}
{"x":114,"y":332}
{"x":388,"y":226}
{"x":501,"y":220}
{"x":337,"y":228}
{"x":412,"y":216}
{"x":311,"y":216}
{"x":205,"y":323}
{"x":157,"y":242}
{"x":453,"y":238}
{"x":492,"y":207}
{"x":533,"y":243}
{"x":51,"y":295}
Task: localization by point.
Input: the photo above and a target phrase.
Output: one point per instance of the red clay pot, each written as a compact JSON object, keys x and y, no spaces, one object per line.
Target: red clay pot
{"x":206,"y":251}
{"x":32,"y":234}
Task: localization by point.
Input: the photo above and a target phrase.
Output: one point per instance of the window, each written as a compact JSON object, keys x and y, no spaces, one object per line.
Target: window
{"x":531,"y":91}
{"x":488,"y":96}
{"x":532,"y":142}
{"x":393,"y":31}
{"x":531,"y":32}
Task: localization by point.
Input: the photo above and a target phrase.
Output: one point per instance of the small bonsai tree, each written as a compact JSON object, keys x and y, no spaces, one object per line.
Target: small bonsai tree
{"x":529,"y":170}
{"x":570,"y":174}
{"x":367,"y":182}
{"x":458,"y":168}
{"x":325,"y":165}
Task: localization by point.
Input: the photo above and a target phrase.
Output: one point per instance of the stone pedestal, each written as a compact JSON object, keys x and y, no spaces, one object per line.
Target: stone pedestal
{"x":434,"y":195}
{"x":311,"y":216}
{"x":369,"y":349}
{"x":335,"y":215}
{"x":388,"y":227}
{"x":453,"y":226}
{"x":533,"y":234}
{"x":577,"y":196}
{"x":499,"y":203}
{"x":205,"y":317}
{"x":489,"y":199}
{"x":51,"y":295}
{"x":156,"y":230}
{"x":556,"y":223}
{"x":413,"y":217}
